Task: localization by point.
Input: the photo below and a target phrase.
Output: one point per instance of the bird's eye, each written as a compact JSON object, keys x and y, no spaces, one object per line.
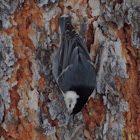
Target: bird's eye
{"x":69,"y":105}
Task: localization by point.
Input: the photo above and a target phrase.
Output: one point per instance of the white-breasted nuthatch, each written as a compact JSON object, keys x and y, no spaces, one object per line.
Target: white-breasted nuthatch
{"x":73,"y":69}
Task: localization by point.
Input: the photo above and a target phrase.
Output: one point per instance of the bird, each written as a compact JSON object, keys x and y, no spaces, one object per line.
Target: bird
{"x":72,"y":68}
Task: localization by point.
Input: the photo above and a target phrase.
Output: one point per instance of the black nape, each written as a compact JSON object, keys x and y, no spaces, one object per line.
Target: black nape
{"x":84,"y":93}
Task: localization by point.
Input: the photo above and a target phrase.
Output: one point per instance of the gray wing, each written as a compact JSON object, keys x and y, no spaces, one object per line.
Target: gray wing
{"x":70,"y":52}
{"x":72,"y":49}
{"x":78,"y":75}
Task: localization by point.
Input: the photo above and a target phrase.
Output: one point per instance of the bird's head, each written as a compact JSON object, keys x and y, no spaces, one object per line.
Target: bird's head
{"x":70,"y":98}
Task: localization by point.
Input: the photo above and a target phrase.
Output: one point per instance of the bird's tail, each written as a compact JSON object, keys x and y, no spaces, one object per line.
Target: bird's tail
{"x":65,"y":25}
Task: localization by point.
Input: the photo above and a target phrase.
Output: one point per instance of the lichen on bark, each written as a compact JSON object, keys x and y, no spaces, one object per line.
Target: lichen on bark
{"x":7,"y":60}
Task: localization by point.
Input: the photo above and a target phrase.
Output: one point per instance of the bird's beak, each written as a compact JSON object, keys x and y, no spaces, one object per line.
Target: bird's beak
{"x":70,"y":121}
{"x":72,"y":116}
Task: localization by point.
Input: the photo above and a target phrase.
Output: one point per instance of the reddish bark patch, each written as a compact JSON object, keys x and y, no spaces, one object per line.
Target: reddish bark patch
{"x":41,"y":83}
{"x":130,"y":88}
{"x":94,"y":114}
{"x":90,"y":36}
{"x":54,"y":24}
{"x":19,"y":127}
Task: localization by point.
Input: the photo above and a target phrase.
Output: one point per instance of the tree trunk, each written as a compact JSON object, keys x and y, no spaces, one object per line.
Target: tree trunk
{"x":31,"y":105}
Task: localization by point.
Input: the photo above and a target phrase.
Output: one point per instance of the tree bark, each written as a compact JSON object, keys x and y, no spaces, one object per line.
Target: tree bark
{"x":31,"y":105}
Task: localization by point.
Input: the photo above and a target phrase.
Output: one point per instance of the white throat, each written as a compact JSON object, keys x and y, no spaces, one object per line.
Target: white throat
{"x":70,"y":98}
{"x":71,"y":95}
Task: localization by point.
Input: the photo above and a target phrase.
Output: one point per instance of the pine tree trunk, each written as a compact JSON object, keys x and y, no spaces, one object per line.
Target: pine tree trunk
{"x":31,"y":105}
